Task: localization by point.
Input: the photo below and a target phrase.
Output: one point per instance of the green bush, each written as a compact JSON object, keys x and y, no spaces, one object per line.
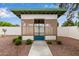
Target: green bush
{"x":68,"y":23}
{"x":59,"y":42}
{"x":17,"y":40}
{"x":29,"y":41}
{"x":20,"y":37}
{"x":14,"y":40}
{"x":49,"y":42}
{"x":3,"y":23}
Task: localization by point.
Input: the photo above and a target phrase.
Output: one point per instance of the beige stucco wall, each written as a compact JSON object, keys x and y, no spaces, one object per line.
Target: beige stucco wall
{"x":71,"y":31}
{"x":11,"y":31}
{"x":27,"y":30}
{"x":27,"y":37}
{"x":50,"y":19}
{"x":50,"y":37}
{"x":52,"y":28}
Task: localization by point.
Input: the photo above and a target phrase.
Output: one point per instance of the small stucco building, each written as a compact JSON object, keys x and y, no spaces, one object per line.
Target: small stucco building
{"x":39,"y":24}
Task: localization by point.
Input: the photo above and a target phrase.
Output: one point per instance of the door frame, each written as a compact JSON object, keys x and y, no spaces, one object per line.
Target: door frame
{"x":39,"y":27}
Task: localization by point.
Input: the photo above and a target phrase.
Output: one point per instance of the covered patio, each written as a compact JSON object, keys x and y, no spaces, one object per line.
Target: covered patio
{"x":39,"y":24}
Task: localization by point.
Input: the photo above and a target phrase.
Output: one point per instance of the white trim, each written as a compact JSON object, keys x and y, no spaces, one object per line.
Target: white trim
{"x":27,"y":37}
{"x":39,"y":16}
{"x":50,"y":37}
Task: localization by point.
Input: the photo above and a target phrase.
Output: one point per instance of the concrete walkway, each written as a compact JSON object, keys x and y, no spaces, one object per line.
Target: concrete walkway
{"x":40,"y":48}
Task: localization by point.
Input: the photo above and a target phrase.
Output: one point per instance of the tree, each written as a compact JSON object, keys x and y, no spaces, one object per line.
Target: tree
{"x":68,"y":23}
{"x":76,"y":23}
{"x":2,"y":23}
{"x":71,"y":8}
{"x":4,"y":30}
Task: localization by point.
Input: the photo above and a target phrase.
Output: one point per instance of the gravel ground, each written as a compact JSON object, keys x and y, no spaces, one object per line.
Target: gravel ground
{"x":7,"y":48}
{"x":70,"y":47}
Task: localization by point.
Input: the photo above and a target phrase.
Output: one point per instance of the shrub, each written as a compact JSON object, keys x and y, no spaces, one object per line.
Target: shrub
{"x":59,"y":42}
{"x":14,"y":40}
{"x":49,"y":42}
{"x":17,"y":40}
{"x":20,"y":37}
{"x":68,"y":23}
{"x":29,"y":41}
{"x":3,"y":23}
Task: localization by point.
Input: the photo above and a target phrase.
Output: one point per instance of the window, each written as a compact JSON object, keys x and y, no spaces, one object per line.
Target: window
{"x":39,"y":27}
{"x":39,"y":21}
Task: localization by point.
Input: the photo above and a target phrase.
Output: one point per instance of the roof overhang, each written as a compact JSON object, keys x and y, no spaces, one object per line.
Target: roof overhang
{"x":18,"y":12}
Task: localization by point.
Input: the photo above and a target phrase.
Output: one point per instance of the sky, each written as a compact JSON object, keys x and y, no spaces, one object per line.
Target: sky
{"x":28,"y":5}
{"x":7,"y":15}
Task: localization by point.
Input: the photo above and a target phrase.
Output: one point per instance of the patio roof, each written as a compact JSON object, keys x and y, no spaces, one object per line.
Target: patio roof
{"x":58,"y":11}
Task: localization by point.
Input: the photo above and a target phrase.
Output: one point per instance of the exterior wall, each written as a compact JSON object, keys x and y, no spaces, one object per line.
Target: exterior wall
{"x":32,"y":37}
{"x":27,"y":37}
{"x":50,"y":37}
{"x":50,"y":19}
{"x":42,"y":16}
{"x":27,"y":30}
{"x":11,"y":31}
{"x":72,"y":32}
{"x":52,"y":28}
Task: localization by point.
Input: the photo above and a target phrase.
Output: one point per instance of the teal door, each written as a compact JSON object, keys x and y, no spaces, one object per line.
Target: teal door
{"x":39,"y":37}
{"x":39,"y":29}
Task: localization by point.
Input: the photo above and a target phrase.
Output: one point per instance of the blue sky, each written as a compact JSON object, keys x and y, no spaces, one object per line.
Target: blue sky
{"x":7,"y":15}
{"x":28,"y":5}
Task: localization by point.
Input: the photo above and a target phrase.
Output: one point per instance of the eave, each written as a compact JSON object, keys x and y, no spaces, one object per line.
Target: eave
{"x":18,"y":12}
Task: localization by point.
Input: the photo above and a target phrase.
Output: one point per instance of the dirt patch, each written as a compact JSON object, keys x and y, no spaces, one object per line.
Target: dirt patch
{"x":23,"y":50}
{"x":7,"y":48}
{"x":70,"y":47}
